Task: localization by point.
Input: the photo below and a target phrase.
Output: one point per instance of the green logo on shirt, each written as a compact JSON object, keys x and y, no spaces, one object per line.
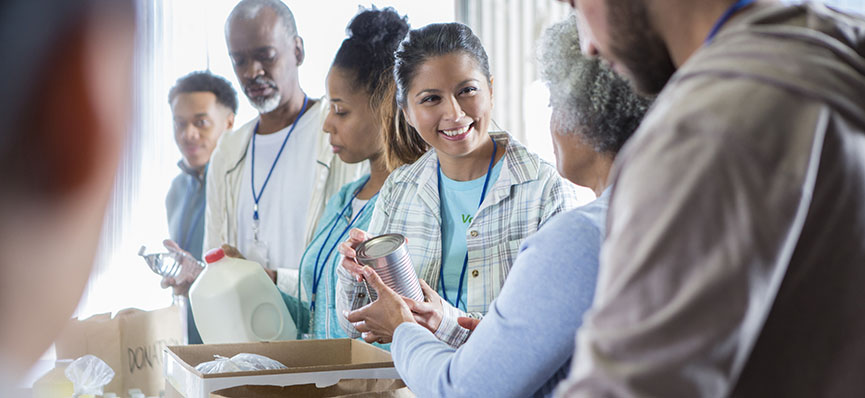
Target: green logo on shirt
{"x":467,"y":218}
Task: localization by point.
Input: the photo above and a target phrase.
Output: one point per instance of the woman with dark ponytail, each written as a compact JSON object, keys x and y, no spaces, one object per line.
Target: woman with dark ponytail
{"x":468,"y":203}
{"x":363,"y":112}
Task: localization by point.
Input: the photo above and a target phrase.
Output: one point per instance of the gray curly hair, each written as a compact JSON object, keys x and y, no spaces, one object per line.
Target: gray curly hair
{"x":586,"y":96}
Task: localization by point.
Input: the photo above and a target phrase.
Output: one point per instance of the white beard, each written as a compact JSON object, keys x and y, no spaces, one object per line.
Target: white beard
{"x":267,"y":105}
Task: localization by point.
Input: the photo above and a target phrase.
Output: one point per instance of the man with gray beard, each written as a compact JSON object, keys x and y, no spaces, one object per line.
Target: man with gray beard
{"x":269,"y":179}
{"x":734,"y":260}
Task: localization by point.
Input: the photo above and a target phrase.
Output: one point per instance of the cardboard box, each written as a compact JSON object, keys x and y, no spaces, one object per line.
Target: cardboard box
{"x":319,"y":362}
{"x":131,"y":343}
{"x":369,"y":388}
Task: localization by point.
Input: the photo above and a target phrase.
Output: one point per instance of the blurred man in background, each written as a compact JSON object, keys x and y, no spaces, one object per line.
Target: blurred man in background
{"x":203,"y":107}
{"x":734,"y":261}
{"x":65,"y":108}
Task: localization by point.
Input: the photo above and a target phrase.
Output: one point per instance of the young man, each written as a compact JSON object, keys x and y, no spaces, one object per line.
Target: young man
{"x":269,"y":179}
{"x":203,"y":107}
{"x":735,"y":254}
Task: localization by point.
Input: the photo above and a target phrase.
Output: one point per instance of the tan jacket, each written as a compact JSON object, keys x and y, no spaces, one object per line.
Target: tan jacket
{"x":734,"y":262}
{"x":226,"y":172}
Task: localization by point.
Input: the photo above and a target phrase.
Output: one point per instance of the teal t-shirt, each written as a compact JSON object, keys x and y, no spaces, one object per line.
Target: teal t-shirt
{"x":325,"y":324}
{"x":459,"y":204}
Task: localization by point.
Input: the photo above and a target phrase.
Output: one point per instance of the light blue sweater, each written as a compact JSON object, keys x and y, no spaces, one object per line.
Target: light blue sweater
{"x":523,"y":346}
{"x":325,"y":324}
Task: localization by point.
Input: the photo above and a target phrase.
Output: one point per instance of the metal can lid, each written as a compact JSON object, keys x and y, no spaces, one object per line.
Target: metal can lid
{"x":380,"y":246}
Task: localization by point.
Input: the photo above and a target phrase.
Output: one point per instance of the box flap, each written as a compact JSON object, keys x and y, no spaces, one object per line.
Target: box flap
{"x":355,"y":388}
{"x":299,"y":356}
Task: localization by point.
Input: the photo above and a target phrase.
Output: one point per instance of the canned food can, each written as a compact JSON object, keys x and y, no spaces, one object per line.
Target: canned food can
{"x":388,"y":256}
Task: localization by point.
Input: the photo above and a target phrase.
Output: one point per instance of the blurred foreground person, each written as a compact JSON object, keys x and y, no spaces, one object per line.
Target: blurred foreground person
{"x":65,"y":107}
{"x":735,"y":252}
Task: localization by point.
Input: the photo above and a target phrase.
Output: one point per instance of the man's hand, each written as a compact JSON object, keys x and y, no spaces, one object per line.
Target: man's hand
{"x":355,"y":238}
{"x":378,"y":320}
{"x":177,"y":288}
{"x":232,"y":251}
{"x":428,"y":313}
{"x":271,"y":273}
{"x":188,"y":272}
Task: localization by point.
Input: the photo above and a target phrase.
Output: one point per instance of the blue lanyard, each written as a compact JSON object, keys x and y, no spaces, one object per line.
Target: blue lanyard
{"x":726,"y":17}
{"x":319,"y":267}
{"x":255,"y":197}
{"x":466,"y":260}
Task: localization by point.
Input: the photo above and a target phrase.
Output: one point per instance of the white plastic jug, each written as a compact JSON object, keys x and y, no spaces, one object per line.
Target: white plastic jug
{"x":234,"y":301}
{"x":54,"y":384}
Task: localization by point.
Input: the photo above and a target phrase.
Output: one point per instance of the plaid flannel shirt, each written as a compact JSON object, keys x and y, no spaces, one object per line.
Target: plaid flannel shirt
{"x":527,"y":193}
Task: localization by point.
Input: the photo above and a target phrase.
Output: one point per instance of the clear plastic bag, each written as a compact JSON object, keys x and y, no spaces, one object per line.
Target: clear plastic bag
{"x":89,"y":375}
{"x":242,"y":362}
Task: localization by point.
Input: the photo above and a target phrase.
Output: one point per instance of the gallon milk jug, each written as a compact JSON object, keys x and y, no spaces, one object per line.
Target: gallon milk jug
{"x":233,"y":301}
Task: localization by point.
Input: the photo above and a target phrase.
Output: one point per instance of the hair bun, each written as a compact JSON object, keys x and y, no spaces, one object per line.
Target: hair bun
{"x":378,"y":28}
{"x":373,"y":37}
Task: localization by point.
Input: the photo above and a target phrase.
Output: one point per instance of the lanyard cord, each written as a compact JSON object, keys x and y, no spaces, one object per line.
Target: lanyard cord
{"x":726,"y":17}
{"x":318,"y":270}
{"x":255,"y":197}
{"x":466,"y":260}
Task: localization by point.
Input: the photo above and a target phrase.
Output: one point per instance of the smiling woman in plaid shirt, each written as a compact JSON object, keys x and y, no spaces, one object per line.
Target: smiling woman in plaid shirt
{"x":469,"y":202}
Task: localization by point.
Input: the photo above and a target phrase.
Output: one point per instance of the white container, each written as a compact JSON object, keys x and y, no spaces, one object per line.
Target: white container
{"x":54,"y":384}
{"x":234,"y":301}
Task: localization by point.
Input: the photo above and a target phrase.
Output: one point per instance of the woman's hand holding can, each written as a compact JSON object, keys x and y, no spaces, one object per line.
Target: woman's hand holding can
{"x":347,"y":249}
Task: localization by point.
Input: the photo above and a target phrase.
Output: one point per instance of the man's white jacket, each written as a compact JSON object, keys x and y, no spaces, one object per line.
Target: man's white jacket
{"x":223,"y":186}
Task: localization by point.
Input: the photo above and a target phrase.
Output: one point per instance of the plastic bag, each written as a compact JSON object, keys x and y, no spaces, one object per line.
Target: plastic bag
{"x":89,"y":375}
{"x":242,"y":362}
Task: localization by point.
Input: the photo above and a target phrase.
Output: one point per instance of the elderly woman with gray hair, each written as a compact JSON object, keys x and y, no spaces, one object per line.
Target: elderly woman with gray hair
{"x":524,"y":345}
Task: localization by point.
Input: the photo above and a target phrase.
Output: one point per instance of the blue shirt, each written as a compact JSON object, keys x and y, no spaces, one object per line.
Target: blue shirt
{"x":325,"y":323}
{"x":459,"y":202}
{"x":523,"y":346}
{"x":184,"y":205}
